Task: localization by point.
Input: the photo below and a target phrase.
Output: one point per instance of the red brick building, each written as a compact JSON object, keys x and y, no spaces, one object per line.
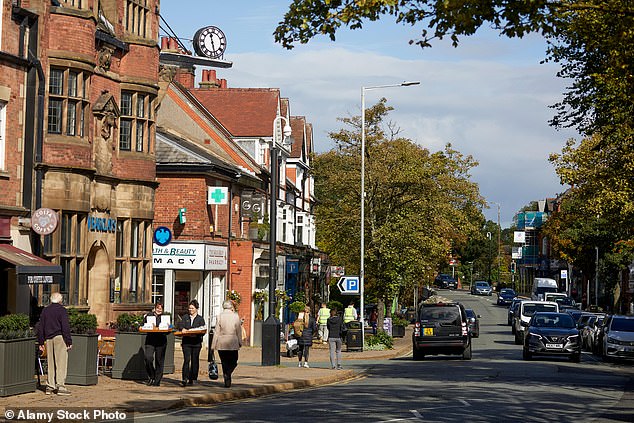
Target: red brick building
{"x":86,"y":137}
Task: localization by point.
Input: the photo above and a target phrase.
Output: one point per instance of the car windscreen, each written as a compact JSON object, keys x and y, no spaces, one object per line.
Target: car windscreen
{"x":564,"y":301}
{"x":448,"y":314}
{"x":482,"y":284}
{"x":544,"y":289}
{"x":507,"y":292}
{"x":470,"y":313}
{"x":553,"y":321}
{"x":623,"y":325}
{"x":530,"y":309}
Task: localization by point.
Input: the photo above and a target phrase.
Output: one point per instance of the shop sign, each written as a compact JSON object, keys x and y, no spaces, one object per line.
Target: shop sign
{"x":292,"y":267}
{"x":36,"y":279}
{"x":101,"y":224}
{"x":215,"y":257}
{"x":44,"y":221}
{"x":179,"y":256}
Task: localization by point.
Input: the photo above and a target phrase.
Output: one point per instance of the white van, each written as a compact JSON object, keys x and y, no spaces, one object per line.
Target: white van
{"x":526,"y":311}
{"x":541,"y":286}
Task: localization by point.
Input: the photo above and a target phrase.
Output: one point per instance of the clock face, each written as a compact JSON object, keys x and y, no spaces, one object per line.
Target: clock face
{"x":210,"y":42}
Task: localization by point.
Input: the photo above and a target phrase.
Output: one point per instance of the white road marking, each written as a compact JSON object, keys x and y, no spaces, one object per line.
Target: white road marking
{"x":416,"y":414}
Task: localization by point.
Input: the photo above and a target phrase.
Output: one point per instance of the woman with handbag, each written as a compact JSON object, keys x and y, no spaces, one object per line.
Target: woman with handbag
{"x":305,"y":340}
{"x":228,"y":340}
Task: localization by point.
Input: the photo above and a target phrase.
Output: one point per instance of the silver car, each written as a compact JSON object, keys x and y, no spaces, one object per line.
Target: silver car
{"x":618,"y":339}
{"x":481,"y":288}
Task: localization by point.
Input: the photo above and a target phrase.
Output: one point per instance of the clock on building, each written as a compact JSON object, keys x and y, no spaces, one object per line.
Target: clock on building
{"x":210,"y":41}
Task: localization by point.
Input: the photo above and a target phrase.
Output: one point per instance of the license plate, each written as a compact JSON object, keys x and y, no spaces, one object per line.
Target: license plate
{"x":428,"y":332}
{"x":555,"y":346}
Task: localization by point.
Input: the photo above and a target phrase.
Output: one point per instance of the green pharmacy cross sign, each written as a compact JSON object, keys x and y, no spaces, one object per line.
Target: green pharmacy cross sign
{"x":218,"y":195}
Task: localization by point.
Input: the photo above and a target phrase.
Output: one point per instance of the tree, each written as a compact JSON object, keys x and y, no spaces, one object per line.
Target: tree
{"x":417,"y":204}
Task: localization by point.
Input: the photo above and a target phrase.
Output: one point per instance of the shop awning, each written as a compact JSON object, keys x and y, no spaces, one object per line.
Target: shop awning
{"x":29,"y":268}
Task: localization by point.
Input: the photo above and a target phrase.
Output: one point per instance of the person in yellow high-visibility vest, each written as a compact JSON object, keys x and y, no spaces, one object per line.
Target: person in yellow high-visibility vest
{"x":322,"y":320}
{"x":350,"y":313}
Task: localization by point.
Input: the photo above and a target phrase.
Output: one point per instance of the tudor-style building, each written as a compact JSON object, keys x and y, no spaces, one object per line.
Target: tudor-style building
{"x":88,"y":143}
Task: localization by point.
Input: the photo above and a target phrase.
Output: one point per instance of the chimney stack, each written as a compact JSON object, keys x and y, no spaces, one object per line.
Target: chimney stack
{"x":223,"y":83}
{"x":209,"y":80}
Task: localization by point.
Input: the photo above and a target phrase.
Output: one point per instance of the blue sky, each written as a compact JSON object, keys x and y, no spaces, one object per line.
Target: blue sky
{"x":489,"y":97}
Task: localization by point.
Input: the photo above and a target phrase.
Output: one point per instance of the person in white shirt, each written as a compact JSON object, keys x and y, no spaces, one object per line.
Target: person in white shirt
{"x":191,"y":344}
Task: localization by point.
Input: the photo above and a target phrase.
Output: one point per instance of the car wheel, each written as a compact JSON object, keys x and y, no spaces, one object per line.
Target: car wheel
{"x":417,"y":354}
{"x":466,"y":353}
{"x":575,"y":358}
{"x":526,"y":354}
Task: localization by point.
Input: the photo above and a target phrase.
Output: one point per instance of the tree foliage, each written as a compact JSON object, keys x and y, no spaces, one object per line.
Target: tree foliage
{"x":417,"y":204}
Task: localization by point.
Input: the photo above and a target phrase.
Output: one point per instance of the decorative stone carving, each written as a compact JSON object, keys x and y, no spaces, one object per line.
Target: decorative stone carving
{"x":101,"y":197}
{"x":104,"y":58}
{"x":167,"y":73}
{"x":106,"y":113}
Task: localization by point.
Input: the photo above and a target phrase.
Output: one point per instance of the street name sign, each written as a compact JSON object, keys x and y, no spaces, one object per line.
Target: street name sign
{"x":349,"y":285}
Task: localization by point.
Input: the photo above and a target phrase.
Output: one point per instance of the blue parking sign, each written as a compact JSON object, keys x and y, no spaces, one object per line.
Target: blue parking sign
{"x":349,"y":285}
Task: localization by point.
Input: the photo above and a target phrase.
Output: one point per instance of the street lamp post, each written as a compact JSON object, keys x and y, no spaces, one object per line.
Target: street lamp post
{"x":271,"y":326}
{"x":361,"y":268}
{"x":499,"y":240}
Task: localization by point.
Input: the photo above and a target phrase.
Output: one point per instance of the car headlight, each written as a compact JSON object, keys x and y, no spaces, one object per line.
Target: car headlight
{"x":612,"y":340}
{"x":573,"y":338}
{"x":536,"y":335}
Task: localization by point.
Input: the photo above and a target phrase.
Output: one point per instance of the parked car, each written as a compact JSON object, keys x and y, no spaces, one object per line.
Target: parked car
{"x":445,"y":281}
{"x":512,"y":311}
{"x":481,"y":288}
{"x":552,"y":334}
{"x":525,"y":312}
{"x":505,"y":296}
{"x":589,"y":332}
{"x":618,"y":338}
{"x":441,"y":328}
{"x":473,"y":321}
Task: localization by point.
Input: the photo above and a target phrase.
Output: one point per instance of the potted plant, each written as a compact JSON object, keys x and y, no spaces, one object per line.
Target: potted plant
{"x":17,"y":355}
{"x":398,"y":327}
{"x":82,"y":358}
{"x":235,"y":297}
{"x":129,"y":349}
{"x":282,"y":298}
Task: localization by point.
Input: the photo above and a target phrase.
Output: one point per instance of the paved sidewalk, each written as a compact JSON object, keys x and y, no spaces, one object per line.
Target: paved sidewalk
{"x":250,"y":379}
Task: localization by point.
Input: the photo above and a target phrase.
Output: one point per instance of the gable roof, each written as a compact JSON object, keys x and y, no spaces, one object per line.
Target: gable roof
{"x":244,"y":112}
{"x":298,"y":126}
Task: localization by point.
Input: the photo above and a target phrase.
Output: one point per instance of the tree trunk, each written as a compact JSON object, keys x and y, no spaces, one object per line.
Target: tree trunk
{"x":380,"y":315}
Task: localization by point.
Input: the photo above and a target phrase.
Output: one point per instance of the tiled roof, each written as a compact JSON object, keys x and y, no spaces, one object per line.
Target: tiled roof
{"x":174,"y":150}
{"x":298,"y":124}
{"x":245,"y":112}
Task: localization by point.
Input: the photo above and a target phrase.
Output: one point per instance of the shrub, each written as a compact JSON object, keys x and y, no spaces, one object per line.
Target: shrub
{"x":381,"y":338}
{"x":335,"y":305}
{"x":82,"y":323}
{"x":128,"y":322}
{"x":399,"y":321}
{"x":297,"y":306}
{"x":15,"y":326}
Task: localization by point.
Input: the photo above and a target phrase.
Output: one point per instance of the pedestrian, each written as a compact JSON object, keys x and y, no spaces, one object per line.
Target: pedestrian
{"x":350,"y":313}
{"x":335,"y":331}
{"x":227,"y":340}
{"x":191,"y":344}
{"x":155,"y":345}
{"x":374,"y":317}
{"x":305,"y":341}
{"x":322,"y":319}
{"x":54,"y":329}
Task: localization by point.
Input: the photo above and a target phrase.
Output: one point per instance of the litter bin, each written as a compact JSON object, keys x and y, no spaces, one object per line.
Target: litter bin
{"x":354,"y":338}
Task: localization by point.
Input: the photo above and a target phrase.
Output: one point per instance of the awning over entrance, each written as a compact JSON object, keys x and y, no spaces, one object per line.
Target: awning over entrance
{"x":30,"y":269}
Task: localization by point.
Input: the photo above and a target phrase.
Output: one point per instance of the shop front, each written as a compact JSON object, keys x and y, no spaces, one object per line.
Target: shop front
{"x":185,"y":271}
{"x":20,"y":271}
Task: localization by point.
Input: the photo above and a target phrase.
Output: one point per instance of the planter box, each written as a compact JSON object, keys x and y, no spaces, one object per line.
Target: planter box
{"x":257,"y":333}
{"x":17,"y":366}
{"x":82,"y":360}
{"x":398,"y":331}
{"x":129,"y":356}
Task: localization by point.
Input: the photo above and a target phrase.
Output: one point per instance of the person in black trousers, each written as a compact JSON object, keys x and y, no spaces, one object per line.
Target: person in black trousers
{"x":191,"y":344}
{"x":155,"y":345}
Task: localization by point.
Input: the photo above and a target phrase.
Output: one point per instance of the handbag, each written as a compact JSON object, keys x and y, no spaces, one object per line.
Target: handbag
{"x":213,"y":368}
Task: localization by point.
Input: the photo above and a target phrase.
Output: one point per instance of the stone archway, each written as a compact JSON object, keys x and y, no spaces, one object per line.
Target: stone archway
{"x":99,"y":283}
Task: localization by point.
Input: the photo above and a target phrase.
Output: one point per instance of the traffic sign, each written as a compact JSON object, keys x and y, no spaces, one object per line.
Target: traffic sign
{"x":349,"y":285}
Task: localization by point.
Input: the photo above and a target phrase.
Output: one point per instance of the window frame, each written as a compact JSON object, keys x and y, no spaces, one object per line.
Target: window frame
{"x":67,"y":102}
{"x":3,"y":131}
{"x":136,"y":121}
